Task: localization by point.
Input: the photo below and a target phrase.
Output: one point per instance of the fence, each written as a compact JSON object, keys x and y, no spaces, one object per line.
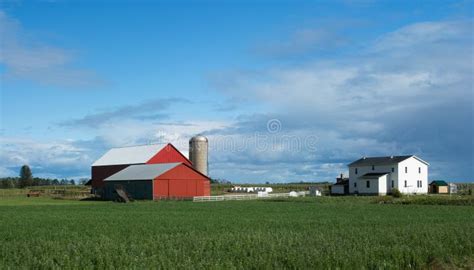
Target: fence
{"x":49,"y":191}
{"x":240,"y":197}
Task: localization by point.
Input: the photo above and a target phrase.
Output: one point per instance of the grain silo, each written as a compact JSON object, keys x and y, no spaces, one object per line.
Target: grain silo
{"x":198,"y":153}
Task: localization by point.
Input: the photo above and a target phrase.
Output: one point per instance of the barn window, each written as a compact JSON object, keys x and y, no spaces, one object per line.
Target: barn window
{"x":406,"y":184}
{"x":355,"y":184}
{"x":419,"y":169}
{"x":393,"y":169}
{"x":368,"y":184}
{"x":373,"y":167}
{"x":355,"y":170}
{"x":393,"y":183}
{"x":406,"y":169}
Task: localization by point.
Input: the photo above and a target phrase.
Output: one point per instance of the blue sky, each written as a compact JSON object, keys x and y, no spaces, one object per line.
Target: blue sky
{"x":285,"y":90}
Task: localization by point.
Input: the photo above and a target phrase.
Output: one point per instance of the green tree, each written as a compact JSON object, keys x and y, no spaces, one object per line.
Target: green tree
{"x":26,"y":177}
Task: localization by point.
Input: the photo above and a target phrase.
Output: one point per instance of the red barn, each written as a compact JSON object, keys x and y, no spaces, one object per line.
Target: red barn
{"x":148,"y":172}
{"x":158,"y":181}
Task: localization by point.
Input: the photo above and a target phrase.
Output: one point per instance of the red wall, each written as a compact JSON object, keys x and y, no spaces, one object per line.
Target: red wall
{"x":168,"y":154}
{"x":181,"y":182}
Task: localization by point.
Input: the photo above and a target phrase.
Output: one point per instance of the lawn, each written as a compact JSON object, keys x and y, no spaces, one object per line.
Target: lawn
{"x":302,"y":233}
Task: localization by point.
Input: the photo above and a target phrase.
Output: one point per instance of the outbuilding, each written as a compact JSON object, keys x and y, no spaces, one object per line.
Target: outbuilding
{"x":439,"y":187}
{"x":341,"y":186}
{"x":158,"y":181}
{"x":339,"y":189}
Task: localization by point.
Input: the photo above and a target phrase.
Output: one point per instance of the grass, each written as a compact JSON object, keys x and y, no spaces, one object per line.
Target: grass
{"x":428,"y":200}
{"x":299,"y":233}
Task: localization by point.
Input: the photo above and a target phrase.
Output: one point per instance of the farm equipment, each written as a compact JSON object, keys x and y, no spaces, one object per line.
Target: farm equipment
{"x":121,"y":194}
{"x":33,"y":193}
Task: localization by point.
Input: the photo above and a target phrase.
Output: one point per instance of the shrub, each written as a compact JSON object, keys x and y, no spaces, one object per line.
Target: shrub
{"x":396,"y":193}
{"x":383,"y":199}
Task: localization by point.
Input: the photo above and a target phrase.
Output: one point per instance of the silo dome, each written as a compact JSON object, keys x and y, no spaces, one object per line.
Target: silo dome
{"x":199,"y":138}
{"x":198,"y":153}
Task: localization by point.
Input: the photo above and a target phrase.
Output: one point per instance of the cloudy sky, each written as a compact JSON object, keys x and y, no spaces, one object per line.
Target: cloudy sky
{"x":285,"y":91}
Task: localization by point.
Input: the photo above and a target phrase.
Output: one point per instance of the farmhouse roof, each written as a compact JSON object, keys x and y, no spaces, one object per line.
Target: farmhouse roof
{"x":142,"y":172}
{"x":372,"y":175}
{"x":439,"y":183}
{"x":342,"y":182}
{"x":378,"y":161}
{"x":129,"y":155}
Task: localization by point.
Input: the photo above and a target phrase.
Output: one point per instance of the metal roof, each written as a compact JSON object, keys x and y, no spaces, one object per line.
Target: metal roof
{"x":378,"y":161}
{"x":439,"y":183}
{"x":142,"y":172}
{"x":129,"y":155}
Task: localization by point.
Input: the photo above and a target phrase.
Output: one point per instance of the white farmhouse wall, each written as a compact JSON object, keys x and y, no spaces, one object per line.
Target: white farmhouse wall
{"x":353,"y":177}
{"x":412,"y":176}
{"x":397,"y":176}
{"x":382,"y":186}
{"x":337,"y":189}
{"x":377,"y":185}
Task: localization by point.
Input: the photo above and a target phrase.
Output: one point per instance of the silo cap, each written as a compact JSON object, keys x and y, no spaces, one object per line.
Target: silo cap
{"x":199,"y":138}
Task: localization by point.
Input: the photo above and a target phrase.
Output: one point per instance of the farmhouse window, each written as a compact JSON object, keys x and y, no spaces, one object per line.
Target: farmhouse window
{"x":419,"y":169}
{"x":421,"y":183}
{"x":406,"y":184}
{"x":368,"y":184}
{"x":393,"y":169}
{"x":355,"y":184}
{"x":355,"y":170}
{"x":406,"y":169}
{"x":393,"y":183}
{"x":373,"y":167}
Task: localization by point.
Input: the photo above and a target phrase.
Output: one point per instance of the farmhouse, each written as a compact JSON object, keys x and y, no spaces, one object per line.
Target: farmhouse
{"x":149,"y":172}
{"x":380,"y":175}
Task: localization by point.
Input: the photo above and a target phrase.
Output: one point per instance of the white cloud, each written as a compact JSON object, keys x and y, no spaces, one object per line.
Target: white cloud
{"x":388,"y":98}
{"x":401,"y":98}
{"x":147,"y":110}
{"x":27,"y":58}
{"x":58,"y":157}
{"x":424,"y":33}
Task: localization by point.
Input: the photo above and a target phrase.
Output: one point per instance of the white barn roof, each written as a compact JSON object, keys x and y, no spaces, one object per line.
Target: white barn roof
{"x":129,"y":155}
{"x":142,"y":172}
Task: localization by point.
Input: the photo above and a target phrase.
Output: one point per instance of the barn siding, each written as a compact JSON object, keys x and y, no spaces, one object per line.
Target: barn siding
{"x":168,"y":154}
{"x":99,"y":173}
{"x":181,"y":182}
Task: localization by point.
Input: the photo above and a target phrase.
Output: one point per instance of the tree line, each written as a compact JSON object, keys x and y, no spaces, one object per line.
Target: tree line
{"x":26,"y":179}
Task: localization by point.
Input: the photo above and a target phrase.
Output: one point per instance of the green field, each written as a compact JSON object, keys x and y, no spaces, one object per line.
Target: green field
{"x":302,"y":233}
